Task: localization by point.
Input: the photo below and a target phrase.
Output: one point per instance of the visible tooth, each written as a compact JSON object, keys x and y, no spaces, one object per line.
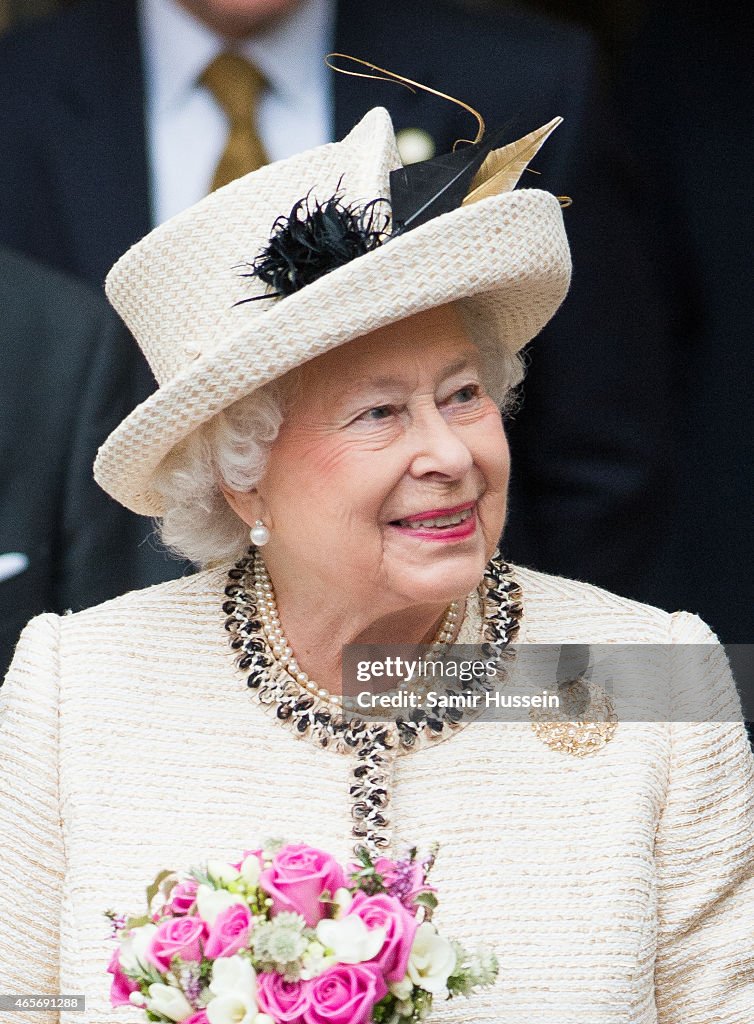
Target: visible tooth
{"x":449,"y":520}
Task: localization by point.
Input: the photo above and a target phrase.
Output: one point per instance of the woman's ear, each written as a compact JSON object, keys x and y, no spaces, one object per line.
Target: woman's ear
{"x":247,"y":505}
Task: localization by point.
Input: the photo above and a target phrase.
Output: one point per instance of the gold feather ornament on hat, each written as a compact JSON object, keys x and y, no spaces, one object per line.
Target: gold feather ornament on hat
{"x":503,"y":167}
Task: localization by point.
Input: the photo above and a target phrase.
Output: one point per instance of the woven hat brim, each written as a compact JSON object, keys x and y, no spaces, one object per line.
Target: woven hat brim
{"x":508,"y":255}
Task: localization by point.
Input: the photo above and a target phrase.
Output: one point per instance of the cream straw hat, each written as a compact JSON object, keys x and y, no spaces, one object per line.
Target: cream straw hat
{"x":178,"y":290}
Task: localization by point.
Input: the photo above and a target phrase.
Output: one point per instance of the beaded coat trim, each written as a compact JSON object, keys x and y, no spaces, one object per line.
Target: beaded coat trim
{"x":373,"y":745}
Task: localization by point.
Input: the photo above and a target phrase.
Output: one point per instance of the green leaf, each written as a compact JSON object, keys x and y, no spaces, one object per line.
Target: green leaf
{"x":137,"y":922}
{"x":427,"y":899}
{"x":203,"y":878}
{"x":154,"y":888}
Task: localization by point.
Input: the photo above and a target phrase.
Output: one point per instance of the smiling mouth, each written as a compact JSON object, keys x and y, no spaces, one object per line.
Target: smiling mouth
{"x":436,"y":522}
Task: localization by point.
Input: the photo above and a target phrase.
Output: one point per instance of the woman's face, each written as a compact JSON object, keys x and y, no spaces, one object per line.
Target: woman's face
{"x":387,"y":482}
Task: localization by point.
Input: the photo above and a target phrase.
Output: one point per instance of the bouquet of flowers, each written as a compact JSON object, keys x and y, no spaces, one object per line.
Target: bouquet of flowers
{"x":286,"y":935}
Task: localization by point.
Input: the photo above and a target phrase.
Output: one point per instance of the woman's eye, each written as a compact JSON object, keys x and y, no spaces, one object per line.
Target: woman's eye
{"x":466,"y":394}
{"x":379,"y":412}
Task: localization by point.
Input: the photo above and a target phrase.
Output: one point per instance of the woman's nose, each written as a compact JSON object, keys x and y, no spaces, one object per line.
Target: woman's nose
{"x":438,"y":448}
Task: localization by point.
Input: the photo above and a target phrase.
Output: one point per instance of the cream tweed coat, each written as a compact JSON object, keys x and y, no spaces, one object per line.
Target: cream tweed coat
{"x":617,"y":888}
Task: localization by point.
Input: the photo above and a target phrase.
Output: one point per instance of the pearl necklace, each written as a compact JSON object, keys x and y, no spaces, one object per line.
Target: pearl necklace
{"x":281,"y":649}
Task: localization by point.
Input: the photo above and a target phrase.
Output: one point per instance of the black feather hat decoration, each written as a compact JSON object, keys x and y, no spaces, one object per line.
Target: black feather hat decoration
{"x":315,"y":239}
{"x":427,"y":189}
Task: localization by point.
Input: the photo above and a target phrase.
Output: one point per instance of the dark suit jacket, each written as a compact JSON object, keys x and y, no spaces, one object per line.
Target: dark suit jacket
{"x":57,"y":336}
{"x":591,"y":444}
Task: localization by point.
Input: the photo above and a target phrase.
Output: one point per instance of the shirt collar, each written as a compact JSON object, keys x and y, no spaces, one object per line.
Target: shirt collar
{"x":291,"y":53}
{"x":178,"y":47}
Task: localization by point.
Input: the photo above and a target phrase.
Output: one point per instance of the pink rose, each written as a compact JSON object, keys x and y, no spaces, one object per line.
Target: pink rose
{"x":122,"y":986}
{"x":298,"y":876}
{"x":285,"y":1001}
{"x":344,"y":994}
{"x":230,"y":932}
{"x":177,"y":936}
{"x":182,"y":897}
{"x":387,"y":912}
{"x":200,"y":1017}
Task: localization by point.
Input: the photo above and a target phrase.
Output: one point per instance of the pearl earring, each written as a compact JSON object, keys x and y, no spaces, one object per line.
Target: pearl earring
{"x":259,"y":534}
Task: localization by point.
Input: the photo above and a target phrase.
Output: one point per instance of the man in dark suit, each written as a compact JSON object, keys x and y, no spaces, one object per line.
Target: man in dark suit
{"x":68,"y":369}
{"x":591,"y":444}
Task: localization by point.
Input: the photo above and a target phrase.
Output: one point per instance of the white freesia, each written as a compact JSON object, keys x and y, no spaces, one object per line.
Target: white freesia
{"x":222,"y":872}
{"x":342,"y":899}
{"x":134,"y":947}
{"x":231,"y":1009}
{"x":251,"y":870}
{"x":349,"y":939}
{"x":402,"y":989}
{"x":432,"y":960}
{"x":209,"y":902}
{"x":263,"y":1018}
{"x":234,"y":986}
{"x":233,"y":974}
{"x":137,"y":999}
{"x":169,"y":1001}
{"x":315,"y":961}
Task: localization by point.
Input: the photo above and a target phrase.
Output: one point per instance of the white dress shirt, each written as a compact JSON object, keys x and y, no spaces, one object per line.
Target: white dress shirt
{"x":186,"y":128}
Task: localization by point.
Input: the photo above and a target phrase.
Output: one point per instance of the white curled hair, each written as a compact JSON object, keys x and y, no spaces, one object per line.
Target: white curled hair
{"x":232,"y":449}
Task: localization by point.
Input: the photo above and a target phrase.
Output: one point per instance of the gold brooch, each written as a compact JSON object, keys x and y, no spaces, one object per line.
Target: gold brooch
{"x":583,"y":723}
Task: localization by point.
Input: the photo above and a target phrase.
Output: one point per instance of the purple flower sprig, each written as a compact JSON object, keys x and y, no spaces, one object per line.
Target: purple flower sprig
{"x":404,"y":878}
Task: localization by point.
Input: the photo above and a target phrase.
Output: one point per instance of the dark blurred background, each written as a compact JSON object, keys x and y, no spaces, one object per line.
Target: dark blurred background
{"x":615,"y":21}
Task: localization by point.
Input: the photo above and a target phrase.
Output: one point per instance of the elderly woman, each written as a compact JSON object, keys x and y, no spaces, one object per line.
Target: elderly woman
{"x":332,"y":393}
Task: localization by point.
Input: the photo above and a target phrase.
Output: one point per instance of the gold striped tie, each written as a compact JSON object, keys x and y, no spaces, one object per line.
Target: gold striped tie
{"x":237,"y":86}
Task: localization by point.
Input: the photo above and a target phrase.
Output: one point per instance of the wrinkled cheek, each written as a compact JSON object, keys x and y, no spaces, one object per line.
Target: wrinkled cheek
{"x":320,"y":457}
{"x":497,"y":465}
{"x":492,"y":509}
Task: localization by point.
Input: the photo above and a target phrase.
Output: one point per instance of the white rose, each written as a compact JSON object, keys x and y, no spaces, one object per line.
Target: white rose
{"x":432,"y":960}
{"x":233,"y":974}
{"x":231,"y":1009}
{"x":134,"y":947}
{"x":251,"y":870}
{"x":222,"y":872}
{"x":349,"y":939}
{"x":209,"y":902}
{"x":169,"y":1001}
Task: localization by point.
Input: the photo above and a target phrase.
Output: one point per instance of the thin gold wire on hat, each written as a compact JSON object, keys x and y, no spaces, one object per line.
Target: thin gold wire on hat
{"x":386,"y":75}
